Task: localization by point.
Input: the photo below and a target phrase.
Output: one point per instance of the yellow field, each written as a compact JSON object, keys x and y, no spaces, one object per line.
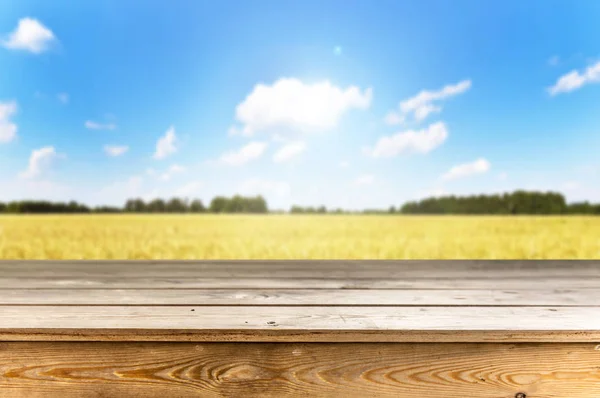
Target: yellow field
{"x":297,"y":237}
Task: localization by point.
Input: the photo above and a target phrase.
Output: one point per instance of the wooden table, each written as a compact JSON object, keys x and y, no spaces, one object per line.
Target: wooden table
{"x":300,"y":328}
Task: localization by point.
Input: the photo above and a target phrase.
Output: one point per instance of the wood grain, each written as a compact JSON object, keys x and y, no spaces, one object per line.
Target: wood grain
{"x":300,"y":328}
{"x":301,"y":297}
{"x":327,"y":321}
{"x":163,"y":370}
{"x":331,"y":269}
{"x":165,"y":282}
{"x":301,"y":336}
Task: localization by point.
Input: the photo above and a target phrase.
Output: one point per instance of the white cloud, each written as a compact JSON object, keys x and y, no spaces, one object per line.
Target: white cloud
{"x":29,"y":35}
{"x":258,"y":186}
{"x":99,"y":126}
{"x":291,"y":105}
{"x":574,"y":80}
{"x":289,"y":151}
{"x":419,"y":141}
{"x":166,"y":144}
{"x":63,"y":97}
{"x":8,"y":130}
{"x":39,"y":161}
{"x":425,"y":110}
{"x":425,"y":97}
{"x":394,"y":118}
{"x":479,"y":166}
{"x":365,"y":179}
{"x":174,"y":169}
{"x":249,"y":152}
{"x":279,"y":138}
{"x":421,"y":105}
{"x":344,"y":164}
{"x":115,"y":150}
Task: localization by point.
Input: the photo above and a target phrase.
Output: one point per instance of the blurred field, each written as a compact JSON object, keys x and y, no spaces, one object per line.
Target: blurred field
{"x":297,"y":237}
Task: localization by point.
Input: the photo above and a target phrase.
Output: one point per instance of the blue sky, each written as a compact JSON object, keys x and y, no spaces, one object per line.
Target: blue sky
{"x":343,"y":103}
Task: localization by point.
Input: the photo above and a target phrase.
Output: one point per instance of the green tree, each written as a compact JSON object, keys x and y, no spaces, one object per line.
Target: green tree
{"x":197,"y":206}
{"x":218,"y":204}
{"x":176,"y":205}
{"x":156,"y":206}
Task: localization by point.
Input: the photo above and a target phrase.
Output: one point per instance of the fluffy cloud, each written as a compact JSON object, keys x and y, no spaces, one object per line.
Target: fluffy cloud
{"x":29,"y":35}
{"x":289,"y":151}
{"x":8,"y":130}
{"x":39,"y":160}
{"x":416,"y":141}
{"x":249,"y":152}
{"x":421,"y":105}
{"x":174,"y":169}
{"x":575,"y":79}
{"x":99,"y":126}
{"x":394,"y":118}
{"x":166,"y":144}
{"x":479,"y":166}
{"x":258,"y":186}
{"x":115,"y":150}
{"x":425,"y":110}
{"x":344,"y":164}
{"x":365,"y":179}
{"x":291,"y":105}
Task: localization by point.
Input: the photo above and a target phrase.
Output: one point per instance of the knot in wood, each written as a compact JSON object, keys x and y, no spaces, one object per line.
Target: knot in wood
{"x":521,"y":395}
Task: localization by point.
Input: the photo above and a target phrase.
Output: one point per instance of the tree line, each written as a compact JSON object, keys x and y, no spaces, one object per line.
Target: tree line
{"x":219,"y":204}
{"x":518,"y":202}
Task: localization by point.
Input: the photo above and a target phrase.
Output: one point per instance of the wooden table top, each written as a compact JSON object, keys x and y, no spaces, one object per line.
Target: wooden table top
{"x":300,"y":301}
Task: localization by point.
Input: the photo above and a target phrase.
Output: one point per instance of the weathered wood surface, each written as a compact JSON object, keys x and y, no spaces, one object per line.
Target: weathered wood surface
{"x":302,"y":297}
{"x":303,"y":269}
{"x":501,"y":275}
{"x":301,"y":318}
{"x":275,"y":329}
{"x":209,"y":299}
{"x":305,"y":323}
{"x":35,"y":370}
{"x":199,"y":282}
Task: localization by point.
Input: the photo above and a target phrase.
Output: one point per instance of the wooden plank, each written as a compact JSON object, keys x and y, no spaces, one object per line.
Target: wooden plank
{"x":145,"y":282}
{"x":306,"y":269}
{"x":164,"y":370}
{"x":308,"y":323}
{"x":290,"y":297}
